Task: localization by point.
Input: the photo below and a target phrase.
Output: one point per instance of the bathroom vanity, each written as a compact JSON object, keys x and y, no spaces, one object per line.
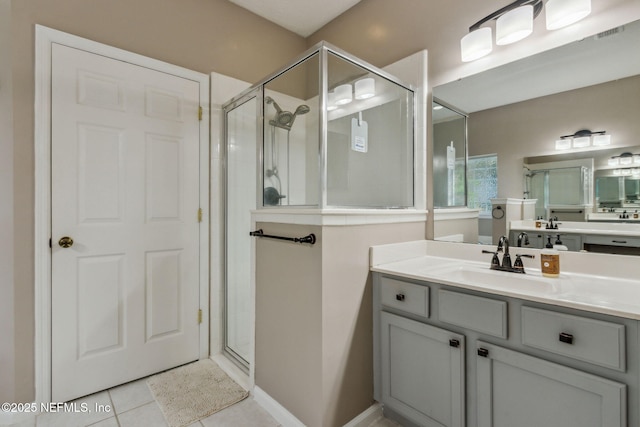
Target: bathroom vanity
{"x":599,"y":237}
{"x":456,"y":344}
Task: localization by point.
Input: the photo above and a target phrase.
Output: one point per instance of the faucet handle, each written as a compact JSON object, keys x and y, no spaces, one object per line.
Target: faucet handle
{"x":495,"y":261}
{"x":518,"y":265}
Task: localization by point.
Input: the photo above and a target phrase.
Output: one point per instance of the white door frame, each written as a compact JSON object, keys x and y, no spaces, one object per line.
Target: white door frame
{"x":45,"y":37}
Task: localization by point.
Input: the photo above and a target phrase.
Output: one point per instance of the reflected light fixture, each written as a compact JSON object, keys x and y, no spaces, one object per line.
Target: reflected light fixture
{"x":514,"y":25}
{"x":331,"y":101}
{"x":624,"y":159}
{"x":561,"y":13}
{"x":582,"y":139}
{"x":514,"y":22}
{"x":365,"y":88}
{"x":343,"y":94}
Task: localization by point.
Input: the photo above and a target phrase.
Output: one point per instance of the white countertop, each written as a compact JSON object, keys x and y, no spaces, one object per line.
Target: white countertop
{"x":615,"y":291}
{"x":595,"y":228}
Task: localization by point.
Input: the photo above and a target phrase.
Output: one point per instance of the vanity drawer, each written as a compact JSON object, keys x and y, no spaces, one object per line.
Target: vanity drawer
{"x":612,"y":240}
{"x":594,"y":341}
{"x":405,"y":296}
{"x":480,"y":314}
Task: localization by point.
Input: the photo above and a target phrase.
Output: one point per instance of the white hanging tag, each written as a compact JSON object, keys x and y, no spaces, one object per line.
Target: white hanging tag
{"x":359,"y":134}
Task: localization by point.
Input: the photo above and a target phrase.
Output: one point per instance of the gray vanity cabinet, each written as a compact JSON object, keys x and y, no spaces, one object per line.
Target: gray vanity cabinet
{"x":515,"y":389}
{"x":415,"y":356}
{"x":447,"y":356}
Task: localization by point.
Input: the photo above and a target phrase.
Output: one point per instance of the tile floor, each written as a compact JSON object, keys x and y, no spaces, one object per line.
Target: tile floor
{"x":133,"y":405}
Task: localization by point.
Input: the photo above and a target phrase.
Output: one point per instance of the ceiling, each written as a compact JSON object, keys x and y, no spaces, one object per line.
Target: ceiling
{"x":303,"y":17}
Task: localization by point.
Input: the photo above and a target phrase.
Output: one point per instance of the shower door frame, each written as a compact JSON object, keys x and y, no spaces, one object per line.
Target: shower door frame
{"x":253,"y":93}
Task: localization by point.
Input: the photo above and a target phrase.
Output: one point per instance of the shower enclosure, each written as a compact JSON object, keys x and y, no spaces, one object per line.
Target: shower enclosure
{"x":326,"y":132}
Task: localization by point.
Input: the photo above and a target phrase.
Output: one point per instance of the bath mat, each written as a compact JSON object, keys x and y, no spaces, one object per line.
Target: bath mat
{"x":193,"y":392}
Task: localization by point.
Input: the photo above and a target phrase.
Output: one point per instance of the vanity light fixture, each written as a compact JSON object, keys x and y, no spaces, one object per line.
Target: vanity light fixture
{"x":583,"y":139}
{"x":514,"y":25}
{"x":365,"y":88}
{"x":514,"y":22}
{"x":476,"y":44}
{"x":343,"y":94}
{"x":561,"y":13}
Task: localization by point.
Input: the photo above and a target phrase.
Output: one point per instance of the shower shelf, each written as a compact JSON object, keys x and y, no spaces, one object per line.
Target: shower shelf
{"x":311,"y":238}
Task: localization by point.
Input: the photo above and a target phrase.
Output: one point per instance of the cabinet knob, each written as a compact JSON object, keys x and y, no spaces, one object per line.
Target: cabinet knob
{"x":400,"y":297}
{"x":454,"y":343}
{"x":566,"y":338}
{"x":483,"y":352}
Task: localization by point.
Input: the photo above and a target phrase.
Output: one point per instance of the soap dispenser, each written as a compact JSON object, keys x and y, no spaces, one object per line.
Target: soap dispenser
{"x":550,"y":260}
{"x":559,"y":246}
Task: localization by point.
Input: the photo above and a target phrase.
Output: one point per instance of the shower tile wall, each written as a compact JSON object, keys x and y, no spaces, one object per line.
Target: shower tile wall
{"x":293,"y":176}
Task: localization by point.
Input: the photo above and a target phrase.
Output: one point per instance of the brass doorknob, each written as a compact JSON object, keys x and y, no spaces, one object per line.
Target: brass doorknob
{"x":65,"y":242}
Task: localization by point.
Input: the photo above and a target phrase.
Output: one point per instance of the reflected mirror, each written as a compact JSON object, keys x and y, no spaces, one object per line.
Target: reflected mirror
{"x":517,"y":111}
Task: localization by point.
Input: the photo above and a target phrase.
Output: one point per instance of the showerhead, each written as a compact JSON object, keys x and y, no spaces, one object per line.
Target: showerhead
{"x":302,"y":109}
{"x":285,"y":119}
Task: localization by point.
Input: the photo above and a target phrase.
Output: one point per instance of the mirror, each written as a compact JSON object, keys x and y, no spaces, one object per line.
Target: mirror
{"x":517,"y":111}
{"x":449,"y":156}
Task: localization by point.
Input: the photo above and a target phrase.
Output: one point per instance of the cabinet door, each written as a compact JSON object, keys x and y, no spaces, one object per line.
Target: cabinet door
{"x":519,"y":390}
{"x":422,"y":371}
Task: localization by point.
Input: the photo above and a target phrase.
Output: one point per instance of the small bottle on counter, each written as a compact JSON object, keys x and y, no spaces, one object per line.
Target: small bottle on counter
{"x":550,"y":260}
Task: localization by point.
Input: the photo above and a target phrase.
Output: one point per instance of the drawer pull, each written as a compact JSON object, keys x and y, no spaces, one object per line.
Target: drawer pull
{"x":619,"y":241}
{"x":454,"y":343}
{"x":483,"y":352}
{"x":400,"y":297}
{"x":566,"y":338}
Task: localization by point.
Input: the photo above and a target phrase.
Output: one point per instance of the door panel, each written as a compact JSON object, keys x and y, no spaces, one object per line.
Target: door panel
{"x":422,"y":373}
{"x":125,"y":188}
{"x":517,"y":389}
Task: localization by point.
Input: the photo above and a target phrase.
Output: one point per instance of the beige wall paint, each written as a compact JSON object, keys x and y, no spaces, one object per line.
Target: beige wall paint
{"x":203,"y":35}
{"x":468,"y":227}
{"x":314,"y":321}
{"x":347,"y":314}
{"x":288,"y":352}
{"x":530,"y":128}
{"x":382,"y":31}
{"x":7,"y":307}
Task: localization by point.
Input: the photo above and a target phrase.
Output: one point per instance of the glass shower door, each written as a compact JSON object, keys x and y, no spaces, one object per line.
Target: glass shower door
{"x":241,"y":134}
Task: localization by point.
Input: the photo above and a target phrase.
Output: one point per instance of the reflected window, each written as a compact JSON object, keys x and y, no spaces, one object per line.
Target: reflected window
{"x":482,"y":182}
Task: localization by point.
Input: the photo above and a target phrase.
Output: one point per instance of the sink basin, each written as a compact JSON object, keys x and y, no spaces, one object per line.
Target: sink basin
{"x":484,"y":276}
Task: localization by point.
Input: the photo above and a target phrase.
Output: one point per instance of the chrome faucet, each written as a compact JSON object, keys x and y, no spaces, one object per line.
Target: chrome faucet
{"x":522,"y":236}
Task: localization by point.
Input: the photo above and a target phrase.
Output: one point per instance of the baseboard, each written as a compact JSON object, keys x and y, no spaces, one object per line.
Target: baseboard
{"x":276,"y":410}
{"x":367,"y":417}
{"x":231,"y":369}
{"x":9,"y":418}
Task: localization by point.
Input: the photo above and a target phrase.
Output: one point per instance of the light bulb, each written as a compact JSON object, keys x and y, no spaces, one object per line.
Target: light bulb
{"x":476,"y":44}
{"x":514,"y":25}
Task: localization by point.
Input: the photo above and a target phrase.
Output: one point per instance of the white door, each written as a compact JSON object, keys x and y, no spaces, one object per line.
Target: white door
{"x":125,"y":177}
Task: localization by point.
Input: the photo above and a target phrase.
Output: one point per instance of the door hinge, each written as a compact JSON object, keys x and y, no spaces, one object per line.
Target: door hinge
{"x":199,"y":316}
{"x":200,"y":113}
{"x":199,"y":214}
